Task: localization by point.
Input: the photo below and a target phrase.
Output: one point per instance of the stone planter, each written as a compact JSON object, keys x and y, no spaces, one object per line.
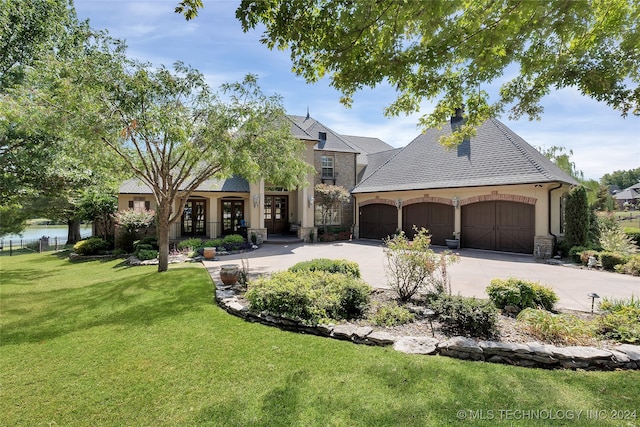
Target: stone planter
{"x":229,"y":274}
{"x":209,"y":253}
{"x":452,"y":243}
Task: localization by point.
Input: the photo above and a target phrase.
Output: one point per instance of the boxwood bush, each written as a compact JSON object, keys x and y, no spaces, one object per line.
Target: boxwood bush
{"x":91,"y":246}
{"x":194,"y":244}
{"x":466,"y":316}
{"x":391,"y":314}
{"x":521,"y":293}
{"x":310,"y":296}
{"x":329,"y":265}
{"x":609,"y":260}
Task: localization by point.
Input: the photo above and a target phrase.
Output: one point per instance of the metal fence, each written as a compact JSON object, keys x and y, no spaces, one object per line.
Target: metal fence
{"x":24,"y":246}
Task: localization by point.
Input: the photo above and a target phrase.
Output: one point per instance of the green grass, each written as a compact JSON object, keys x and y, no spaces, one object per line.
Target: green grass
{"x":628,"y":219}
{"x":95,"y":343}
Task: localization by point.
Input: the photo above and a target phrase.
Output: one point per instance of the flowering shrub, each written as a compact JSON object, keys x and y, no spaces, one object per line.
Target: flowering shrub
{"x":133,"y":221}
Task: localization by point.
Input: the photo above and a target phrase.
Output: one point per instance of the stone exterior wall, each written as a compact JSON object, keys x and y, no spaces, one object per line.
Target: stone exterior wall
{"x":344,"y":165}
{"x":531,"y":354}
{"x":543,"y":247}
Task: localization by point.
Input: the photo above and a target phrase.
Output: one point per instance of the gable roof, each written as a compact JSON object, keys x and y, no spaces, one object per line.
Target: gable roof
{"x":494,"y":156}
{"x":629,"y":193}
{"x":376,"y":160}
{"x":234,"y":184}
{"x":312,"y":127}
{"x":366,"y":145}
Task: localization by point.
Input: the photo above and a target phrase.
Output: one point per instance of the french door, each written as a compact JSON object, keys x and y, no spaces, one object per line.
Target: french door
{"x":232,"y":216}
{"x":194,"y":218}
{"x":275,"y":214}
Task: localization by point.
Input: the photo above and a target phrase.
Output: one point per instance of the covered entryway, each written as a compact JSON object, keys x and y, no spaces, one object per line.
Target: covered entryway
{"x":275,"y":214}
{"x":437,"y":218}
{"x":498,"y":226}
{"x":378,"y":221}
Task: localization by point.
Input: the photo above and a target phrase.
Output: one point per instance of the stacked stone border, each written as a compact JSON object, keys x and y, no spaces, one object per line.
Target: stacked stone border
{"x":531,"y":354}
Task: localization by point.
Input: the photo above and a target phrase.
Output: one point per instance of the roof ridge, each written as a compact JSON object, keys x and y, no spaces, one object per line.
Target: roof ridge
{"x":399,"y":150}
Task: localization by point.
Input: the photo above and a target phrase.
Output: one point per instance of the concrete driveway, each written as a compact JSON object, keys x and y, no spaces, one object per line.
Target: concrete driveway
{"x":469,"y":277}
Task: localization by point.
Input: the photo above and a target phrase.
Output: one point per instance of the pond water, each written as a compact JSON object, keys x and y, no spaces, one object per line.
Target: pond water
{"x":52,"y":231}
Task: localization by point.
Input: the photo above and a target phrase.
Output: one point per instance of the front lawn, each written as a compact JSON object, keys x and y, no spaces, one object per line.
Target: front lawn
{"x":96,"y":343}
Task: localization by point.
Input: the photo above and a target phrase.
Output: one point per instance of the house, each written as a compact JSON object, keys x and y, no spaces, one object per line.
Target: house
{"x":629,"y":198}
{"x":494,"y":191}
{"x":235,"y":206}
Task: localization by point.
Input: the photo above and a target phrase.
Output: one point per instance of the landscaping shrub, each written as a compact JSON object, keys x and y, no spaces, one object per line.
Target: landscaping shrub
{"x":391,"y":314}
{"x":91,"y":246}
{"x":585,"y":255}
{"x":233,"y":242}
{"x":556,"y":328}
{"x":575,"y":252}
{"x":633,"y":233}
{"x":149,"y":240}
{"x":632,"y":266}
{"x":609,"y":260}
{"x":412,"y":266}
{"x":466,"y":316}
{"x":615,"y":240}
{"x":215,"y":243}
{"x":190,"y":244}
{"x":310,"y":296}
{"x":520,"y":293}
{"x":145,"y":254}
{"x":329,"y":265}
{"x":621,"y":320}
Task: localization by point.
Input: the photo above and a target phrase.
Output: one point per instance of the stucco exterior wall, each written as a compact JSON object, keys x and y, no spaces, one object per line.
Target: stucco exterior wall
{"x":533,"y":194}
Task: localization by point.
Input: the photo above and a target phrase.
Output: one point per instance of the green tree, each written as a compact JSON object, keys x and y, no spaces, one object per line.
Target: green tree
{"x":174,"y":134}
{"x":327,"y":196}
{"x":622,"y":178}
{"x":562,"y":158}
{"x":577,"y":217}
{"x":451,"y":51}
{"x":29,"y":29}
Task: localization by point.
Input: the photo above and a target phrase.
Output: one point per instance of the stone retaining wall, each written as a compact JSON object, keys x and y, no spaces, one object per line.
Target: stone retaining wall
{"x":531,"y":354}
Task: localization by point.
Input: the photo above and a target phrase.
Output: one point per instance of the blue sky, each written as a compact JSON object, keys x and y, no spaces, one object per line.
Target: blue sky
{"x":601,"y":140}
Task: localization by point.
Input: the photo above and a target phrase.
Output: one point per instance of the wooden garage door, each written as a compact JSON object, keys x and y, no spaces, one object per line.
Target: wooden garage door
{"x":377,"y":221}
{"x":498,"y":226}
{"x":435,"y":217}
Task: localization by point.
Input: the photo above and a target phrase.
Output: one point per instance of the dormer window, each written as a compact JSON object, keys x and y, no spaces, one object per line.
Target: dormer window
{"x":328,"y":171}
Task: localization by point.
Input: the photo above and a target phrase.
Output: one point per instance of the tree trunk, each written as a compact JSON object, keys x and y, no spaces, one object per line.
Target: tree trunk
{"x":162,"y":221}
{"x":73,"y":234}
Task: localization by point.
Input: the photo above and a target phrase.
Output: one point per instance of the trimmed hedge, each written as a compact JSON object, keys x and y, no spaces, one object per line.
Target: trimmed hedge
{"x":91,"y":246}
{"x":521,"y":293}
{"x":310,"y":296}
{"x":329,"y":265}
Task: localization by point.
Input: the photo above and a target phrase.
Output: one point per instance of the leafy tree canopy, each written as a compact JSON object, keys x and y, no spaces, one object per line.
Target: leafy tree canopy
{"x":451,"y":51}
{"x":622,"y":178}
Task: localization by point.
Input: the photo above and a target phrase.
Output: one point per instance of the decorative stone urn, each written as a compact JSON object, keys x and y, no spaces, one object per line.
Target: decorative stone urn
{"x":229,"y":274}
{"x":453,"y":243}
{"x":209,"y":253}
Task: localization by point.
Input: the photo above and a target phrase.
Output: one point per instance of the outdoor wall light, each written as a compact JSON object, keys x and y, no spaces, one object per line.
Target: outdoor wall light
{"x":456,"y":202}
{"x":256,"y":201}
{"x":311,"y":200}
{"x":593,"y":297}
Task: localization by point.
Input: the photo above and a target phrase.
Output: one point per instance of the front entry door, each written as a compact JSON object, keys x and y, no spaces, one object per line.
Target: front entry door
{"x":193,"y":218}
{"x":275,"y":214}
{"x":232,"y":216}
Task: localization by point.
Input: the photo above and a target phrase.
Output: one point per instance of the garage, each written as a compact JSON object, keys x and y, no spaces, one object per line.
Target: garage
{"x":378,"y":221}
{"x":498,"y":226}
{"x":438,"y":218}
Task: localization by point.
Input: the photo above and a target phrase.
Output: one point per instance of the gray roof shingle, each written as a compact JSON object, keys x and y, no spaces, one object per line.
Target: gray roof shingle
{"x":234,"y":184}
{"x":494,"y":156}
{"x":366,"y":145}
{"x":334,"y":142}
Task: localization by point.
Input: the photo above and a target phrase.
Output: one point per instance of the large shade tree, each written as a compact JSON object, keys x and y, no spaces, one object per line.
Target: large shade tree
{"x":453,"y":51}
{"x":174,"y":133}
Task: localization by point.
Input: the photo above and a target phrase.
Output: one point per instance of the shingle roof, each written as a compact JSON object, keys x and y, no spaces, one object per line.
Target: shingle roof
{"x":375,"y":160}
{"x":494,"y":156}
{"x":366,"y":145}
{"x":313,"y":127}
{"x":629,"y":193}
{"x":233,"y":184}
